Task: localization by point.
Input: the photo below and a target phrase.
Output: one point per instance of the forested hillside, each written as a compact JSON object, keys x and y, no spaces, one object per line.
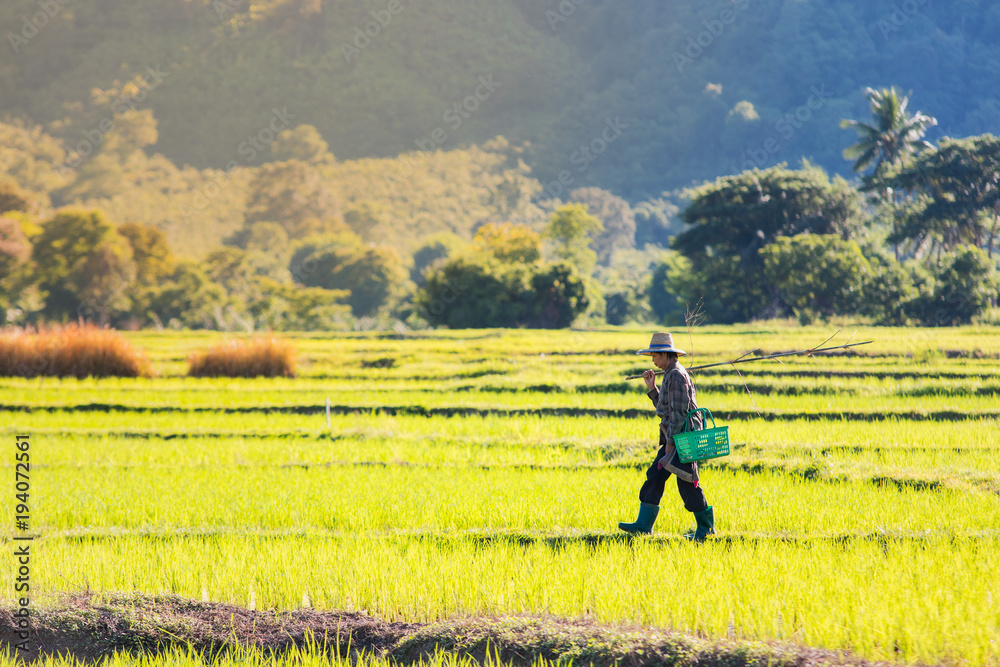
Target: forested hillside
{"x":319,"y":164}
{"x":698,"y":89}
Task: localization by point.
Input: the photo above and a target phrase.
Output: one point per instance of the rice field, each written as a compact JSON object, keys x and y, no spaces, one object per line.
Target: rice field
{"x":483,"y":473}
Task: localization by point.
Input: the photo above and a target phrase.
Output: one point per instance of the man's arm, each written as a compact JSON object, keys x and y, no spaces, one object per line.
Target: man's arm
{"x":679,"y":400}
{"x":651,"y":390}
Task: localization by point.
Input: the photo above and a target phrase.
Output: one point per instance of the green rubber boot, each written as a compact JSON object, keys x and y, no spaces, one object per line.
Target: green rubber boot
{"x":644,"y":524}
{"x":706,"y":524}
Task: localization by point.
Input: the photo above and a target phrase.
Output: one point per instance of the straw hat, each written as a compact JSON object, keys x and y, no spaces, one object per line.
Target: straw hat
{"x":661,"y":342}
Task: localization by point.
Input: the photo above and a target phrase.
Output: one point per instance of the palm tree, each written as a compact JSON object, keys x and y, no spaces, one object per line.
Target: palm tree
{"x":893,"y":135}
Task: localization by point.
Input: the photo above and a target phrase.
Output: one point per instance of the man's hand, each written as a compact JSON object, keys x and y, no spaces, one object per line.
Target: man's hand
{"x":650,"y":378}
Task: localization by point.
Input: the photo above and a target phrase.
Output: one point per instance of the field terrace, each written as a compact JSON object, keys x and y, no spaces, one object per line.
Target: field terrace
{"x":468,"y":489}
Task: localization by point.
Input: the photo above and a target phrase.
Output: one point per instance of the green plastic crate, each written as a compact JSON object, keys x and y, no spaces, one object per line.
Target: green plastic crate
{"x":708,"y":443}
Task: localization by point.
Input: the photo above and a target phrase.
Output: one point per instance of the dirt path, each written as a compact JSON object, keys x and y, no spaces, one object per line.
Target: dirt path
{"x":89,"y":630}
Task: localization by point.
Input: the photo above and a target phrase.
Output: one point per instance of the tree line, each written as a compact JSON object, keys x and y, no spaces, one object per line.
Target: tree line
{"x":912,"y":241}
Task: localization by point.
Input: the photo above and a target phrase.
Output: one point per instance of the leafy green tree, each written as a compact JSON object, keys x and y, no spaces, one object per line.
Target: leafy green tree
{"x":617,"y":219}
{"x":116,"y":158}
{"x":292,"y":193}
{"x":268,"y":249}
{"x":285,"y":307}
{"x":512,"y":196}
{"x":467,"y":293}
{"x":571,"y":228}
{"x":653,"y":222}
{"x":234,"y":271}
{"x":32,"y":159}
{"x":508,"y":242}
{"x":83,"y":266}
{"x":627,"y":283}
{"x":672,"y":284}
{"x":189,"y":299}
{"x":333,"y":248}
{"x":13,"y":198}
{"x":729,"y":293}
{"x":102,"y":282}
{"x":434,"y":249}
{"x":737,"y":215}
{"x":890,"y":288}
{"x":153,"y":264}
{"x":304,"y":144}
{"x":472,"y":291}
{"x":375,"y":278}
{"x":368,"y":220}
{"x":15,"y":249}
{"x":963,"y":288}
{"x":957,"y":188}
{"x":559,"y":296}
{"x":154,"y":260}
{"x":247,"y":280}
{"x":817,"y":275}
{"x":133,"y":130}
{"x":733,"y":218}
{"x":893,"y":134}
{"x":374,"y":275}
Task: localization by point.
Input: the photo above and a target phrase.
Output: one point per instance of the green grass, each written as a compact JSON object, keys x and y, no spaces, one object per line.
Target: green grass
{"x":877,"y":536}
{"x":916,"y":599}
{"x":348,"y":498}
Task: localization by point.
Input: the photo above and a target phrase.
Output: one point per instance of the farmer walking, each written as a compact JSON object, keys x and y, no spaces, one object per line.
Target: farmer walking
{"x":673,"y":400}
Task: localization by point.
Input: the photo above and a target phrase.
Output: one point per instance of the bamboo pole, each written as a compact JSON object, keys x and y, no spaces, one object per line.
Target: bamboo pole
{"x":740,"y":360}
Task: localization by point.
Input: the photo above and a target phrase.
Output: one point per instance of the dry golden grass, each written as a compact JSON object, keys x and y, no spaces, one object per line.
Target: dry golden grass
{"x":74,"y":350}
{"x":258,"y":357}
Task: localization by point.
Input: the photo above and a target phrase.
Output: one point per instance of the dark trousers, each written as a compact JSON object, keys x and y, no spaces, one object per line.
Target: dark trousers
{"x":656,"y":478}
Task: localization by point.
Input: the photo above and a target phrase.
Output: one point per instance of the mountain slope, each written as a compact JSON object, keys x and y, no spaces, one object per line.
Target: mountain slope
{"x":698,"y":90}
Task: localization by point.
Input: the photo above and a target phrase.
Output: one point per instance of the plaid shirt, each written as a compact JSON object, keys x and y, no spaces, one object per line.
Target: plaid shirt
{"x":674,"y":399}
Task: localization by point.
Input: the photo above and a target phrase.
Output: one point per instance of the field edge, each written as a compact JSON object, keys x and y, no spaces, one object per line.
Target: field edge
{"x":89,"y":628}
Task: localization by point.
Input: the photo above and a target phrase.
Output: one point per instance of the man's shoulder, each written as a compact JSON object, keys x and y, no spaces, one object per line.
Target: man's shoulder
{"x":678,"y":371}
{"x":678,"y":374}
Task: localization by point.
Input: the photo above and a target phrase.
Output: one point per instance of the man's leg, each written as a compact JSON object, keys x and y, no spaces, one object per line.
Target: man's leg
{"x":656,"y":479}
{"x":649,"y":498}
{"x":693,"y":496}
{"x":695,"y":502}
